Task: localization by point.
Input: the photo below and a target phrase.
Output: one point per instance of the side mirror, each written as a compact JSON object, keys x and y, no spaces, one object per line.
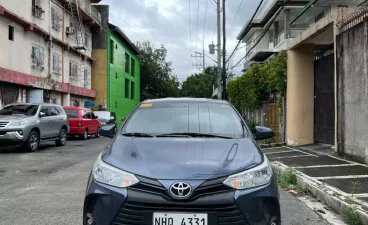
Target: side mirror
{"x":108,"y":130}
{"x":263,"y":133}
{"x":112,"y":118}
{"x":42,"y":114}
{"x":96,"y":117}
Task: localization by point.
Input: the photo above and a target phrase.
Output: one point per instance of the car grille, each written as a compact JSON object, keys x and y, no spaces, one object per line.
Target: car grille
{"x":209,"y":187}
{"x":3,"y":124}
{"x":132,"y":213}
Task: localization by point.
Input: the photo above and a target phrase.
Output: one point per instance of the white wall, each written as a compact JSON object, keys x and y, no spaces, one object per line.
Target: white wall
{"x":16,"y":55}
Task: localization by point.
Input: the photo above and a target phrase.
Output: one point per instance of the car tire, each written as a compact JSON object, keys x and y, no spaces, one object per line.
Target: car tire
{"x":33,"y":141}
{"x":63,"y":136}
{"x":97,"y":135}
{"x":84,"y":136}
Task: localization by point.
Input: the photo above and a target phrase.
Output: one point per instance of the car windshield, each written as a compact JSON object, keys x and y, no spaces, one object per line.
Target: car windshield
{"x":165,"y":118}
{"x":71,"y":113}
{"x":28,"y":110}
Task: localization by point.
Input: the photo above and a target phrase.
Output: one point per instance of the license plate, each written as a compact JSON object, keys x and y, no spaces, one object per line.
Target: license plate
{"x":180,"y":219}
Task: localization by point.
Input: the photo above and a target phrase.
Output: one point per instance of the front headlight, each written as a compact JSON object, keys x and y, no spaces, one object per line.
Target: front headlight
{"x":254,"y":177}
{"x":18,"y":123}
{"x":106,"y":174}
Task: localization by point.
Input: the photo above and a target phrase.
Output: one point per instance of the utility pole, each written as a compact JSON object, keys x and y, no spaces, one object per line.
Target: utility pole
{"x":219,"y":48}
{"x":199,"y":55}
{"x":224,"y":95}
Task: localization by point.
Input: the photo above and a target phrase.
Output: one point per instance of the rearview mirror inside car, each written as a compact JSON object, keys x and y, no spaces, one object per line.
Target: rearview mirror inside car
{"x":262,"y":133}
{"x":42,"y":114}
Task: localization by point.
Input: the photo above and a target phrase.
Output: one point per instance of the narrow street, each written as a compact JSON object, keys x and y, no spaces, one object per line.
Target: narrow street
{"x":48,"y":187}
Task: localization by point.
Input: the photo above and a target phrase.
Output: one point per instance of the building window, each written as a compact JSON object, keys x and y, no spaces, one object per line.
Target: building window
{"x":73,"y":69}
{"x":87,"y":38}
{"x":126,"y":63}
{"x":55,"y":19}
{"x":37,"y":57}
{"x":11,"y":33}
{"x":87,"y":76}
{"x":126,"y":88}
{"x":132,"y":90}
{"x":56,"y":63}
{"x":111,"y":51}
{"x":37,"y":10}
{"x":74,"y":103}
{"x":132,"y":67}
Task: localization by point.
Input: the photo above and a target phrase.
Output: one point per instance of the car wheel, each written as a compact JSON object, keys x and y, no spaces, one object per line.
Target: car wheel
{"x":97,"y":135}
{"x":85,"y":135}
{"x":63,"y":136}
{"x":33,"y":142}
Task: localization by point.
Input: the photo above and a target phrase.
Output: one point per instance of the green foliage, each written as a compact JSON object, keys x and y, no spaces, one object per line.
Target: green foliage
{"x":253,"y":87}
{"x":355,"y":187}
{"x":351,"y":216}
{"x":197,"y":86}
{"x":157,"y":80}
{"x":252,"y":125}
{"x":287,"y":178}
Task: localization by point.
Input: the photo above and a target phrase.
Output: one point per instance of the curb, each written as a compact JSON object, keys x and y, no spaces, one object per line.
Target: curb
{"x":272,"y":145}
{"x":325,"y":193}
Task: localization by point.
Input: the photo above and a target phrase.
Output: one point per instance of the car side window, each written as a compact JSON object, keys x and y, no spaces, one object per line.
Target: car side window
{"x":53,"y":111}
{"x":87,"y":114}
{"x":45,"y":110}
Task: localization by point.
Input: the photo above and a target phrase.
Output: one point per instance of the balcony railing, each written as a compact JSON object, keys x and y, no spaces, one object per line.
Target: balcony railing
{"x":90,"y":10}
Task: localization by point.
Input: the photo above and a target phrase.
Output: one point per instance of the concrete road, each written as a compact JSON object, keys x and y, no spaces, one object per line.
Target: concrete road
{"x":47,"y":187}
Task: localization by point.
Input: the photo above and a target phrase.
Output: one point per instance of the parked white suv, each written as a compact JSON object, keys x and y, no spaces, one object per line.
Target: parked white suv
{"x":28,"y":124}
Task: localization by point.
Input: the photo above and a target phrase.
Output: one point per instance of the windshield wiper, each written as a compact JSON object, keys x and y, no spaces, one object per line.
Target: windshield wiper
{"x":136,"y":134}
{"x":193,"y":135}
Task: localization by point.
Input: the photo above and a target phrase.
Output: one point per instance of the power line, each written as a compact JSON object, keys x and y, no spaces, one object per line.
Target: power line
{"x":250,"y":21}
{"x":190,"y":27}
{"x":259,"y":38}
{"x":235,"y":17}
{"x":205,"y":20}
{"x":197,"y":26}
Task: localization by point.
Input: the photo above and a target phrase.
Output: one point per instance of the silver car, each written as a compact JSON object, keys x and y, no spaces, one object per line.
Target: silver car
{"x":27,"y":124}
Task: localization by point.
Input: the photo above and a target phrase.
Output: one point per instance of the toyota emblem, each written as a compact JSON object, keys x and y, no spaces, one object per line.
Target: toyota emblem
{"x":180,"y":190}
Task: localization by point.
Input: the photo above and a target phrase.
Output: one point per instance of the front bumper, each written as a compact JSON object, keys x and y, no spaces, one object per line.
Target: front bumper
{"x":107,"y":205}
{"x":10,"y":137}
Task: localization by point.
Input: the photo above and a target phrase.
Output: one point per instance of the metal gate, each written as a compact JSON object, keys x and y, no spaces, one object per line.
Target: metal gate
{"x":273,"y":119}
{"x":324,"y":101}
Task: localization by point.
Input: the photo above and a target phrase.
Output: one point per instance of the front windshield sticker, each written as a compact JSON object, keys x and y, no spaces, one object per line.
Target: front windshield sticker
{"x":145,"y":105}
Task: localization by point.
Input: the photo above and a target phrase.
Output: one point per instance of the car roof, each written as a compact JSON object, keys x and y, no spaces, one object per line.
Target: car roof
{"x":47,"y":104}
{"x":186,"y":100}
{"x":75,"y":107}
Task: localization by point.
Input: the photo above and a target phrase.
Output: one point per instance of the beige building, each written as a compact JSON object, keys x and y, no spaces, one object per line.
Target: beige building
{"x":45,"y":50}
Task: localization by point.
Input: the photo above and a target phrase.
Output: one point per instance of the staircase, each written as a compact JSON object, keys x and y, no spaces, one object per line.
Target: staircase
{"x":78,"y":25}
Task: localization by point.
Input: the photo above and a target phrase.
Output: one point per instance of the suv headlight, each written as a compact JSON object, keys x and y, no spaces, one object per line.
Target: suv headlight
{"x":106,"y":174}
{"x":254,"y":177}
{"x":18,"y":123}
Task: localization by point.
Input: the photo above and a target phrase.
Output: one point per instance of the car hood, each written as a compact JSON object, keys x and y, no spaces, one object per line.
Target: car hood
{"x":13,"y":117}
{"x":183,"y":158}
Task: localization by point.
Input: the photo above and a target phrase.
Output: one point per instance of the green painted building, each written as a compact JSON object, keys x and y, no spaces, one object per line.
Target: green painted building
{"x":123,"y":73}
{"x":116,"y":74}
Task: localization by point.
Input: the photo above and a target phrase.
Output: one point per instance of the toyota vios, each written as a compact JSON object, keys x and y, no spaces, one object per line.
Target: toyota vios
{"x":183,"y":162}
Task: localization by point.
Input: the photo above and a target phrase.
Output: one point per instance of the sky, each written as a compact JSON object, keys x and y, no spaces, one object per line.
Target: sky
{"x":183,"y":27}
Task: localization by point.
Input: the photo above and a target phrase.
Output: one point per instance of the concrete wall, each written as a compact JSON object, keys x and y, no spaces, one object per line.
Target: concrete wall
{"x":300,"y":96}
{"x":99,"y":76}
{"x":352,"y":83}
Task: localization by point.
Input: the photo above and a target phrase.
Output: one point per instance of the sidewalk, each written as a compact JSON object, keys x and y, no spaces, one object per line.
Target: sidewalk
{"x":337,"y":182}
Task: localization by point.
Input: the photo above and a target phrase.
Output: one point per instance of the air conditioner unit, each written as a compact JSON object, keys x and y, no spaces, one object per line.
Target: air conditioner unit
{"x":70,"y":30}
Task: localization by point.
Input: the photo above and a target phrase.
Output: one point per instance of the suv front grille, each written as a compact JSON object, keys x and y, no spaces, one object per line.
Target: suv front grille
{"x":209,"y":187}
{"x":3,"y":124}
{"x":132,"y":213}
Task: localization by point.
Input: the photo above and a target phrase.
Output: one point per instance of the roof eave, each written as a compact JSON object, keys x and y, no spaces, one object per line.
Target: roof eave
{"x":123,"y":36}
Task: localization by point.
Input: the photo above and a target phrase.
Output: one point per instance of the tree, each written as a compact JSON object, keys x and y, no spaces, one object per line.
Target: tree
{"x":157,"y":80}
